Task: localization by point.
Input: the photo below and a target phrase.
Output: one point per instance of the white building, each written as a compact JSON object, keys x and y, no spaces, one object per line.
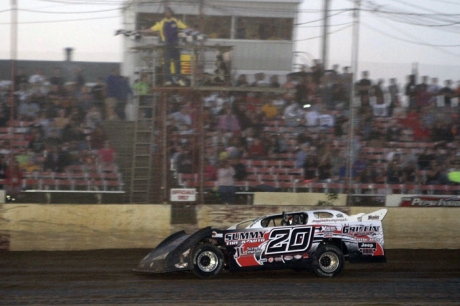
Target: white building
{"x":261,"y":32}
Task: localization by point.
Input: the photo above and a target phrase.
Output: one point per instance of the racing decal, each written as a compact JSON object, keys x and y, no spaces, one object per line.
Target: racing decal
{"x":326,"y":230}
{"x":370,"y":248}
{"x":289,"y":240}
{"x":367,"y":248}
{"x":429,"y":201}
{"x":360,"y":230}
{"x":242,"y":237}
{"x":281,"y":244}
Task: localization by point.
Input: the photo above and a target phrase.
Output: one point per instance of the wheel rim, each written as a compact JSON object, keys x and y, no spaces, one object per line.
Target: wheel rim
{"x":329,"y":262}
{"x":207,"y":261}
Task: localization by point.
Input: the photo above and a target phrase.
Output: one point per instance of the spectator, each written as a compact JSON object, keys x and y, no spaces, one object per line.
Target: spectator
{"x":38,"y":78}
{"x":58,"y":80}
{"x":74,"y":132}
{"x":292,"y":114}
{"x":268,"y":108}
{"x":21,"y":80}
{"x":93,"y":118}
{"x":79,"y":79}
{"x":274,"y":83}
{"x":325,"y":168}
{"x":339,"y":94}
{"x":381,"y":106}
{"x":228,"y":123}
{"x":13,"y":177}
{"x":289,"y":85}
{"x":117,"y":91}
{"x":107,"y":154}
{"x":260,"y":80}
{"x":242,"y":81}
{"x":425,"y":158}
{"x":411,"y":92}
{"x":240,"y":169}
{"x":4,"y":115}
{"x":435,"y":175}
{"x":28,"y":110}
{"x":410,"y":175}
{"x":182,"y":117}
{"x":311,"y":166}
{"x":301,"y":155}
{"x":85,"y":100}
{"x":359,"y":165}
{"x":209,"y":172}
{"x":257,"y":149}
{"x":168,"y":28}
{"x":393,"y":90}
{"x":447,"y":92}
{"x":53,"y":139}
{"x":3,"y":168}
{"x":37,"y":143}
{"x":225,"y":182}
{"x":56,"y":160}
{"x":364,"y":87}
{"x":185,"y":161}
{"x":98,"y":137}
{"x":61,"y":120}
{"x":98,"y":92}
{"x":369,"y":175}
{"x":423,"y":95}
{"x":142,"y":86}
{"x":394,"y":173}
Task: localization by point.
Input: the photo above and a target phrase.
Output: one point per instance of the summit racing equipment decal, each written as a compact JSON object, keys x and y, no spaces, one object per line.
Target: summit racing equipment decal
{"x":252,"y":248}
{"x":430,"y":201}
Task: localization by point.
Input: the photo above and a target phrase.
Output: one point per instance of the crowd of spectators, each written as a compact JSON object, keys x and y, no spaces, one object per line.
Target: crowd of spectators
{"x":311,"y":125}
{"x":58,"y":120}
{"x":305,"y":118}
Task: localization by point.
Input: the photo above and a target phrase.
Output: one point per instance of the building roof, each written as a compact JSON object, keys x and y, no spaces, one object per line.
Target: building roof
{"x":91,"y":70}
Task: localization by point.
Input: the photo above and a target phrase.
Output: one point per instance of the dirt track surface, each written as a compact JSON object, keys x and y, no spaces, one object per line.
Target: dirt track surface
{"x":104,"y":277}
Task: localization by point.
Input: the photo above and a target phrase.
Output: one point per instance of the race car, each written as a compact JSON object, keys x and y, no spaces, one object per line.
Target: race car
{"x":318,"y":240}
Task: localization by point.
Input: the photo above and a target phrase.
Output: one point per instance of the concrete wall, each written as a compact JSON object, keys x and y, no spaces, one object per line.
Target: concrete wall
{"x":83,"y":227}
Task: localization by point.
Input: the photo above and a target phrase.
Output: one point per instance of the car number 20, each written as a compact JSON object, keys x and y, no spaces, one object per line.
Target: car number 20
{"x":289,"y":240}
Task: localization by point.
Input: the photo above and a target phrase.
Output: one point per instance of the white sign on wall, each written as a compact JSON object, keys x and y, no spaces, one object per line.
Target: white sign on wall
{"x":183,"y":195}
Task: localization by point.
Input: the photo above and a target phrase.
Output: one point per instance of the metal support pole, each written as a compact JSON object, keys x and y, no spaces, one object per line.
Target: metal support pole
{"x":325,"y":33}
{"x":354,"y":63}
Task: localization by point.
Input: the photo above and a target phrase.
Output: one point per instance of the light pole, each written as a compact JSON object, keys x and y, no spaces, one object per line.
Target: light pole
{"x":324,"y":49}
{"x":354,"y":65}
{"x":14,"y":55}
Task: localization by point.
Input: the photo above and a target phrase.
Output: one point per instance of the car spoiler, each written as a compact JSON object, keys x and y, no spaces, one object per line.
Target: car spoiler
{"x":377,"y":215}
{"x":174,"y":253}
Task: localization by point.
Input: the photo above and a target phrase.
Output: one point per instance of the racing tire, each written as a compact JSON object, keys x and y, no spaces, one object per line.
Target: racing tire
{"x":329,"y":261}
{"x":208,"y":261}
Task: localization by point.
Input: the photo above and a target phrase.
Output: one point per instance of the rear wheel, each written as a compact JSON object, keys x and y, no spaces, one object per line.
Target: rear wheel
{"x":330,"y":261}
{"x":208,"y":261}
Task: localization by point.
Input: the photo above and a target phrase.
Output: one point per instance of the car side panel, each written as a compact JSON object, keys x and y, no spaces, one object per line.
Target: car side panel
{"x":295,"y":246}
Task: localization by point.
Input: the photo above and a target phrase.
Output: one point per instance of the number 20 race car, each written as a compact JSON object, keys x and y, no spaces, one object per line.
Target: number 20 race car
{"x":318,"y":240}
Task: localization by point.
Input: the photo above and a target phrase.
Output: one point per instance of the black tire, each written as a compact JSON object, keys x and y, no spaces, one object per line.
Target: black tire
{"x":329,"y":261}
{"x":208,"y":261}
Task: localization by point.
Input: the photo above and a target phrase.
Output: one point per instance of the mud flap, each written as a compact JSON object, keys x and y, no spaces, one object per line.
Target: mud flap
{"x":174,"y":253}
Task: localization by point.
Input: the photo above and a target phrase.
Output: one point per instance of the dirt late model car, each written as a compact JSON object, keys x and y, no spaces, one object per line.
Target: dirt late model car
{"x":318,"y":240}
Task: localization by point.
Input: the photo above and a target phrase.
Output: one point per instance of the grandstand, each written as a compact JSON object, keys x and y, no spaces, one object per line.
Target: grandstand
{"x":178,"y":135}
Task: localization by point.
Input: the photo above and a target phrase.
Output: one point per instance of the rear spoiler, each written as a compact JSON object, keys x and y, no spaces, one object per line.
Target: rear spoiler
{"x":377,"y":215}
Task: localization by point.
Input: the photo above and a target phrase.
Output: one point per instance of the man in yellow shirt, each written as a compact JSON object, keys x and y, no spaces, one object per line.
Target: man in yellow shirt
{"x":269,"y":109}
{"x":168,"y":28}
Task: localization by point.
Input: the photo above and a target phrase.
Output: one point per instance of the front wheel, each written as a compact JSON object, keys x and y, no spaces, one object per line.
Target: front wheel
{"x":208,"y":261}
{"x":330,"y":261}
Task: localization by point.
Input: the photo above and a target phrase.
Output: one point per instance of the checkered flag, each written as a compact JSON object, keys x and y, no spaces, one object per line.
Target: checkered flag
{"x":128,"y":33}
{"x":190,"y":36}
